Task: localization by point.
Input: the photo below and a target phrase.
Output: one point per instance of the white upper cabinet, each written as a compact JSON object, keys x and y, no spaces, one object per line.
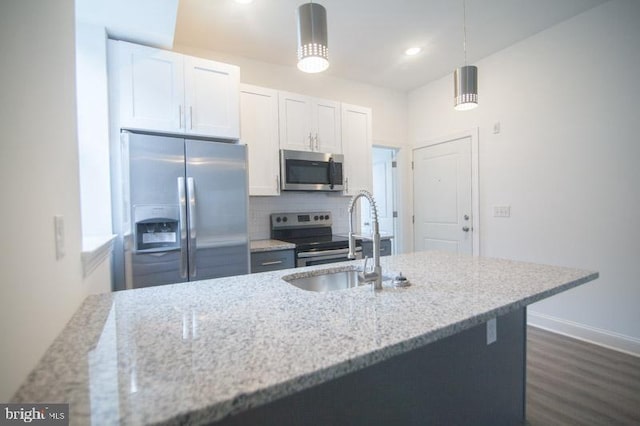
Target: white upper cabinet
{"x":356,"y":132}
{"x":309,"y":124}
{"x":150,"y":87}
{"x":259,"y":131}
{"x":211,"y":98}
{"x":326,"y":116}
{"x":158,"y":90}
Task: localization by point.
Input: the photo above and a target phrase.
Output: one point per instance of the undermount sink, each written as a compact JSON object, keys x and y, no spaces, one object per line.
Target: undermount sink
{"x":327,"y":280}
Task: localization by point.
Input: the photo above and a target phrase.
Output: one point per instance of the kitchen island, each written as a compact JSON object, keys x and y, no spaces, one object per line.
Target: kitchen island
{"x":229,"y":349}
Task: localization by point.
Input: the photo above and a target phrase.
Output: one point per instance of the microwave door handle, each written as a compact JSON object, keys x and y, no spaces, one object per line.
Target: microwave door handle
{"x":332,"y":173}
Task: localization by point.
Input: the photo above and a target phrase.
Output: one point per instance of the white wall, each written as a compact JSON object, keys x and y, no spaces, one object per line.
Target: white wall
{"x":389,"y":108}
{"x":566,"y":160}
{"x":38,"y":179}
{"x":93,"y":129}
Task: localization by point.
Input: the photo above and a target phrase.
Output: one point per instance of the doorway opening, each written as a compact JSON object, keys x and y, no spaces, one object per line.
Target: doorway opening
{"x":385,"y":191}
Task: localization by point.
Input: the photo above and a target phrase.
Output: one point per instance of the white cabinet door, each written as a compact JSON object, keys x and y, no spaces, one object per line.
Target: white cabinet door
{"x":151,"y":87}
{"x":326,"y":121}
{"x":356,"y":132}
{"x":211,"y":98}
{"x":259,"y":131}
{"x":309,"y":124}
{"x":295,"y":121}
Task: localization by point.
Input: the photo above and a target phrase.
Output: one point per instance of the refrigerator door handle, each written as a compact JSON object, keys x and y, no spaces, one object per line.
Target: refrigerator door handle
{"x":191,"y":194}
{"x":183,"y":228}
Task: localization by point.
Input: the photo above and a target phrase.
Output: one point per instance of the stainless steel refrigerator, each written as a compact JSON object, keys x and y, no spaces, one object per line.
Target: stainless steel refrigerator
{"x":184,"y":210}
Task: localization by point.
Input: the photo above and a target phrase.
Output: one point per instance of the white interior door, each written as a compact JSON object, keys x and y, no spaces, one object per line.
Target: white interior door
{"x":383,"y":192}
{"x":442,"y":197}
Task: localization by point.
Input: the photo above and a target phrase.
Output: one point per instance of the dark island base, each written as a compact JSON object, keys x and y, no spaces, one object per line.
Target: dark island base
{"x":459,"y":380}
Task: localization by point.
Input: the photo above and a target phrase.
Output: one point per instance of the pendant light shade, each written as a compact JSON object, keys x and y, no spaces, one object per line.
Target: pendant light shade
{"x":465,"y":79}
{"x":313,"y":54}
{"x":465,"y":87}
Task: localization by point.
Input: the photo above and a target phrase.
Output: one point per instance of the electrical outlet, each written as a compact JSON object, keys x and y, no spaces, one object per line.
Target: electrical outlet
{"x":501,"y":211}
{"x":492,"y":331}
{"x":496,"y":127}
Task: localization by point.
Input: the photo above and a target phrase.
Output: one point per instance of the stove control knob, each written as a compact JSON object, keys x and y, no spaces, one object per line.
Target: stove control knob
{"x":327,"y":217}
{"x":316,"y":217}
{"x":284,"y":219}
{"x":278,"y":219}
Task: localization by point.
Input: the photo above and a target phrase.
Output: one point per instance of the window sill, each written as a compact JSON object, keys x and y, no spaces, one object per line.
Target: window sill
{"x":95,"y":250}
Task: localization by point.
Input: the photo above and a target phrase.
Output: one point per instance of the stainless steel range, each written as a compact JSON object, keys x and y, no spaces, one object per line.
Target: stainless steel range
{"x":312,"y":234}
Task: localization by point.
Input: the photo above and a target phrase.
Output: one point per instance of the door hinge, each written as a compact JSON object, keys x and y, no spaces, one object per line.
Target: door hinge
{"x":412,"y":165}
{"x":413,"y":219}
{"x":395,"y":214}
{"x":394,"y":164}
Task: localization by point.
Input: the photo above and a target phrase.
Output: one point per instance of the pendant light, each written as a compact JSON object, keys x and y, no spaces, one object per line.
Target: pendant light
{"x":313,"y":55}
{"x":465,"y":79}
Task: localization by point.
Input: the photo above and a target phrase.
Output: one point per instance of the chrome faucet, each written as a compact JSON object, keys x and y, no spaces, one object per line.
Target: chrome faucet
{"x":375,"y":275}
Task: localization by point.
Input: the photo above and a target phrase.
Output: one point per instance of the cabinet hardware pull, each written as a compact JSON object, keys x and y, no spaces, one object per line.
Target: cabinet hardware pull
{"x":179,"y":116}
{"x":190,"y":117}
{"x":278,"y":184}
{"x":317,"y":146}
{"x":274,"y":262}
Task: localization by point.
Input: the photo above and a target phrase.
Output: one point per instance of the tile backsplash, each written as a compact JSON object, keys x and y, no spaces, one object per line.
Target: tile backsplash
{"x":261,"y":207}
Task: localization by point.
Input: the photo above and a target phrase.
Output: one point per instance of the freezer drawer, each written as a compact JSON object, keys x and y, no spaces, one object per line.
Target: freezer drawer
{"x":272,"y":260}
{"x":149,"y":269}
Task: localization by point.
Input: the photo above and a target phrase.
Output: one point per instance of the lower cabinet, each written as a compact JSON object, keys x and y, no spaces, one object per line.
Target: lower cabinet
{"x":367,"y":248}
{"x":264,"y":261}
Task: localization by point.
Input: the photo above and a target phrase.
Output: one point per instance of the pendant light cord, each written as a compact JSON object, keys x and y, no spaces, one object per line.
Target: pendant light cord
{"x":464,"y":29}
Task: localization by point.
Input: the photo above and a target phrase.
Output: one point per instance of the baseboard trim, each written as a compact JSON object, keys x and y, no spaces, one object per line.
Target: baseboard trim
{"x":608,"y":339}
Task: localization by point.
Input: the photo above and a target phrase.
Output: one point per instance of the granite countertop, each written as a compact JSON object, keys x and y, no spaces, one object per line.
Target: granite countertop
{"x":199,"y":351}
{"x":270,"y":245}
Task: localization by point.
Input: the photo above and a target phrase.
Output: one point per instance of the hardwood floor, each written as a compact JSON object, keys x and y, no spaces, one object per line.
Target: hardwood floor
{"x":570,"y":382}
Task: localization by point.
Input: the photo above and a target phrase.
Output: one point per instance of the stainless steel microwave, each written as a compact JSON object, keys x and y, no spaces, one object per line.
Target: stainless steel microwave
{"x":311,"y":171}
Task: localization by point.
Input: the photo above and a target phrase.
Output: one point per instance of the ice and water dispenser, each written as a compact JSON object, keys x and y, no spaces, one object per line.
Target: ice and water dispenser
{"x":156,"y":228}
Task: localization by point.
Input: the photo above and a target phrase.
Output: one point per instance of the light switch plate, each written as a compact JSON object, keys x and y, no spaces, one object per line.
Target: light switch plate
{"x":58,"y":222}
{"x":501,"y":211}
{"x":492,"y":331}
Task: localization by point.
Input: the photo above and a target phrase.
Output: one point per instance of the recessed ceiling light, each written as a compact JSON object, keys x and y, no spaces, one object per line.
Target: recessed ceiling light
{"x":412,"y":51}
{"x":244,"y":1}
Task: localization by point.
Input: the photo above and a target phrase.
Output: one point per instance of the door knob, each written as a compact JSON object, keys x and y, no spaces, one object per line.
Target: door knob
{"x":466,"y":217}
{"x":465,"y":228}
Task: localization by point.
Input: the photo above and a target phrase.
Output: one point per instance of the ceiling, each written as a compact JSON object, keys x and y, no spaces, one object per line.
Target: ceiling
{"x":367,"y":38}
{"x":149,"y":22}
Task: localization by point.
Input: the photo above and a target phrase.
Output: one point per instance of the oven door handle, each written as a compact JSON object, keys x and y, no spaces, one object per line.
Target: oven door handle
{"x":325,"y":253}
